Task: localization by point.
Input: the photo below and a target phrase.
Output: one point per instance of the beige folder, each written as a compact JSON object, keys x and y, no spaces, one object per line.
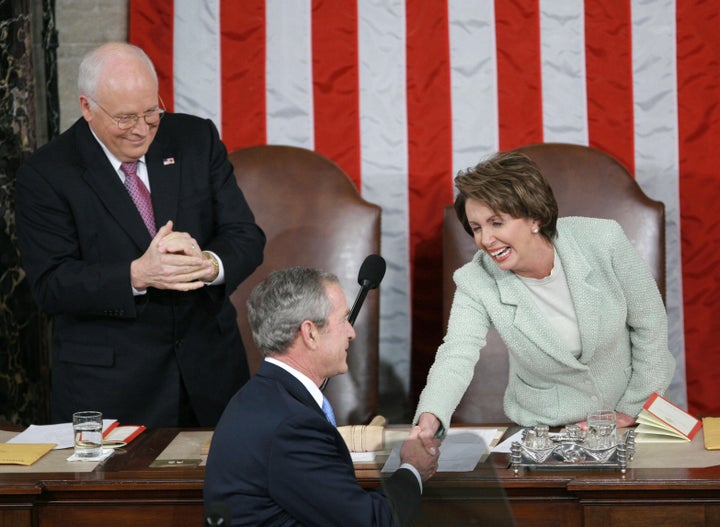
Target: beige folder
{"x":711,"y":427}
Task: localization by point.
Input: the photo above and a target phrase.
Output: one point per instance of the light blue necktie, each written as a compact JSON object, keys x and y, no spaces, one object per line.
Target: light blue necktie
{"x":328,"y":411}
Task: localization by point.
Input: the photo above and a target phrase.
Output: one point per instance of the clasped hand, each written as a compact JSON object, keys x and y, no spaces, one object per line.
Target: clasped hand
{"x":174,"y":260}
{"x":415,"y":452}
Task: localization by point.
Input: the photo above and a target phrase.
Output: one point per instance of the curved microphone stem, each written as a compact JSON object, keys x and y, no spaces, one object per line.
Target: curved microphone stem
{"x":371,"y":274}
{"x":351,"y":318}
{"x":357,"y":305}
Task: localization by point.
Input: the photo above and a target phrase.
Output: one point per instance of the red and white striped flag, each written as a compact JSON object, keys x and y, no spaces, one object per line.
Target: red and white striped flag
{"x":403,"y":94}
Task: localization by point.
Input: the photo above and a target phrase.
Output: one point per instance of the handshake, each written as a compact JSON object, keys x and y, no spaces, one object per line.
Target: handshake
{"x":374,"y":437}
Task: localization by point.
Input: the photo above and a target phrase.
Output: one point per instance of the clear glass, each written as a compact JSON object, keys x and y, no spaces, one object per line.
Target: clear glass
{"x":601,"y":432}
{"x":87,"y":429}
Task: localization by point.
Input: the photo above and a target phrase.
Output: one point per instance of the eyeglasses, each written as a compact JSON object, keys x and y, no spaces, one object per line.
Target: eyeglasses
{"x":126,"y":122}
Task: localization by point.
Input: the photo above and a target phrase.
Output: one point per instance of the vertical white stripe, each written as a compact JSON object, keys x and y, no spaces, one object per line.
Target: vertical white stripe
{"x":656,"y":150}
{"x":473,"y":82}
{"x":384,"y":165}
{"x":564,"y":90}
{"x":196,"y":60}
{"x":289,"y":94}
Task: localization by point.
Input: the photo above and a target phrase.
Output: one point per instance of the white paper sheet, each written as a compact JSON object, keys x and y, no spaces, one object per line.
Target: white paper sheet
{"x":363,"y":457}
{"x":504,"y":447}
{"x":60,"y":434}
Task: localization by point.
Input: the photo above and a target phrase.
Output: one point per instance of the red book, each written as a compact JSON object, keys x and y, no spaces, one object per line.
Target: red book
{"x":662,"y":421}
{"x":116,"y":435}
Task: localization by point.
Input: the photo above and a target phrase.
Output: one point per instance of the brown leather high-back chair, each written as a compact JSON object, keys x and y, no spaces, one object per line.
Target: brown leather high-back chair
{"x":586,"y":182}
{"x":313,"y":216}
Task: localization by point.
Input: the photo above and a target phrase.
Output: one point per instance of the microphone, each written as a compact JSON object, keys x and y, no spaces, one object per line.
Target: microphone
{"x":370,"y":275}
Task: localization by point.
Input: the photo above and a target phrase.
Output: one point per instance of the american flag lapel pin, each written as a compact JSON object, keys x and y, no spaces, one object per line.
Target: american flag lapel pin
{"x":168,"y":161}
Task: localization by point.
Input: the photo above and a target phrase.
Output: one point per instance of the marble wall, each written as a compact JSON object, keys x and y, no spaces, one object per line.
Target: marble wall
{"x":83,"y":25}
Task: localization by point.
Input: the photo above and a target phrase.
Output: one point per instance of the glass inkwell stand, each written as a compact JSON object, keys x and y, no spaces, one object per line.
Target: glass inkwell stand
{"x":573,"y":448}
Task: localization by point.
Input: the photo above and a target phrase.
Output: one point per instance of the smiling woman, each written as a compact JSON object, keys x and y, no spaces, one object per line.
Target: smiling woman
{"x":513,"y":243}
{"x":575,"y":304}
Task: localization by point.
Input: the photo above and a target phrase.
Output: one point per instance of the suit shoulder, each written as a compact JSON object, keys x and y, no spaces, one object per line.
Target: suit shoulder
{"x":595,"y":237}
{"x":183,"y":124}
{"x":185,"y":119}
{"x":264,"y":398}
{"x":479,"y":269}
{"x":59,"y":152}
{"x":582,"y":225}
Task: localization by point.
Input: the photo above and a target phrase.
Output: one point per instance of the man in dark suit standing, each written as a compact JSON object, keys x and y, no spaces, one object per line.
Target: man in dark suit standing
{"x":275,"y":458}
{"x":133,"y":234}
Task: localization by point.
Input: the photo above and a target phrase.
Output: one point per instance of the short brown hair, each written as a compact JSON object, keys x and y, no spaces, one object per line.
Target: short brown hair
{"x":509,"y":183}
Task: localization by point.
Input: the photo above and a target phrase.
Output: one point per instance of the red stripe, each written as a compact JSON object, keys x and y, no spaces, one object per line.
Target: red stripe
{"x":519,"y":73}
{"x":608,"y":58}
{"x":698,"y":49}
{"x":430,"y":166}
{"x":151,"y":28}
{"x":336,"y":84}
{"x":242,"y":51}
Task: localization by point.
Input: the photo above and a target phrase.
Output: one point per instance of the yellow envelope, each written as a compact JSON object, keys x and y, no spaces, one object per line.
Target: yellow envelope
{"x":711,"y":428}
{"x":23,"y":453}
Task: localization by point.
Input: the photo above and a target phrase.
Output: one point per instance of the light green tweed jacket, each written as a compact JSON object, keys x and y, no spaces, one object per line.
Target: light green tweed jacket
{"x":622,"y":322}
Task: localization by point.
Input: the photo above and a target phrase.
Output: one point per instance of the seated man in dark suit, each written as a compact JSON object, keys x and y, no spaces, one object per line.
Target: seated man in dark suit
{"x":275,"y":458}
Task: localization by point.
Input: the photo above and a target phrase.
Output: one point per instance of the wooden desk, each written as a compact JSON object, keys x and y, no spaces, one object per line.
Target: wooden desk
{"x":125,"y":491}
{"x":604,"y":498}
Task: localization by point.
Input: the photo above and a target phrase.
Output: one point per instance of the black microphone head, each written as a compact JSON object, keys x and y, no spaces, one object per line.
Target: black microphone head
{"x":372,"y":271}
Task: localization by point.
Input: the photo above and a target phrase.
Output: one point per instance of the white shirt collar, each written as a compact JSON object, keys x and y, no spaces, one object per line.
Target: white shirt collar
{"x":114,"y":161}
{"x":304,"y":379}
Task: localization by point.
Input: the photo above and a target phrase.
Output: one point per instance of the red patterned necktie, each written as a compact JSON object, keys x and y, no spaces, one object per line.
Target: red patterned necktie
{"x":140,"y":195}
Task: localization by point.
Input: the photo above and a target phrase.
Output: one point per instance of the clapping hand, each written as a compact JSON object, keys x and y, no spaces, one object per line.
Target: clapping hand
{"x":173,"y":261}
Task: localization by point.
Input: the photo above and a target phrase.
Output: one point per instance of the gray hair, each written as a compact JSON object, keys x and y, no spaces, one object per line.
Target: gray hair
{"x":283,"y":301}
{"x":93,"y":62}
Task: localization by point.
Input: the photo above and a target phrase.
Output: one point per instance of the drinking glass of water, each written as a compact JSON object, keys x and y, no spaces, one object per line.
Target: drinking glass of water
{"x":87,"y":427}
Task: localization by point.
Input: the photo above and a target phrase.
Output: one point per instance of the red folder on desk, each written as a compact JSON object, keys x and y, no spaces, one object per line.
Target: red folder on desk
{"x":122,"y":434}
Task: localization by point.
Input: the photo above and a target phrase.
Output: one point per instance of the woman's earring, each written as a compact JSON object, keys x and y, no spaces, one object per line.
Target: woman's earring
{"x":536,"y":230}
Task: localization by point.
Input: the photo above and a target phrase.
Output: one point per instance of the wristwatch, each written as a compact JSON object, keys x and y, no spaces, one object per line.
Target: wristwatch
{"x":210,"y":256}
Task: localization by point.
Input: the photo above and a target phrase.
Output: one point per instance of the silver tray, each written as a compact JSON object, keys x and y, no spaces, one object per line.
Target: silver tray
{"x":566,"y":453}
